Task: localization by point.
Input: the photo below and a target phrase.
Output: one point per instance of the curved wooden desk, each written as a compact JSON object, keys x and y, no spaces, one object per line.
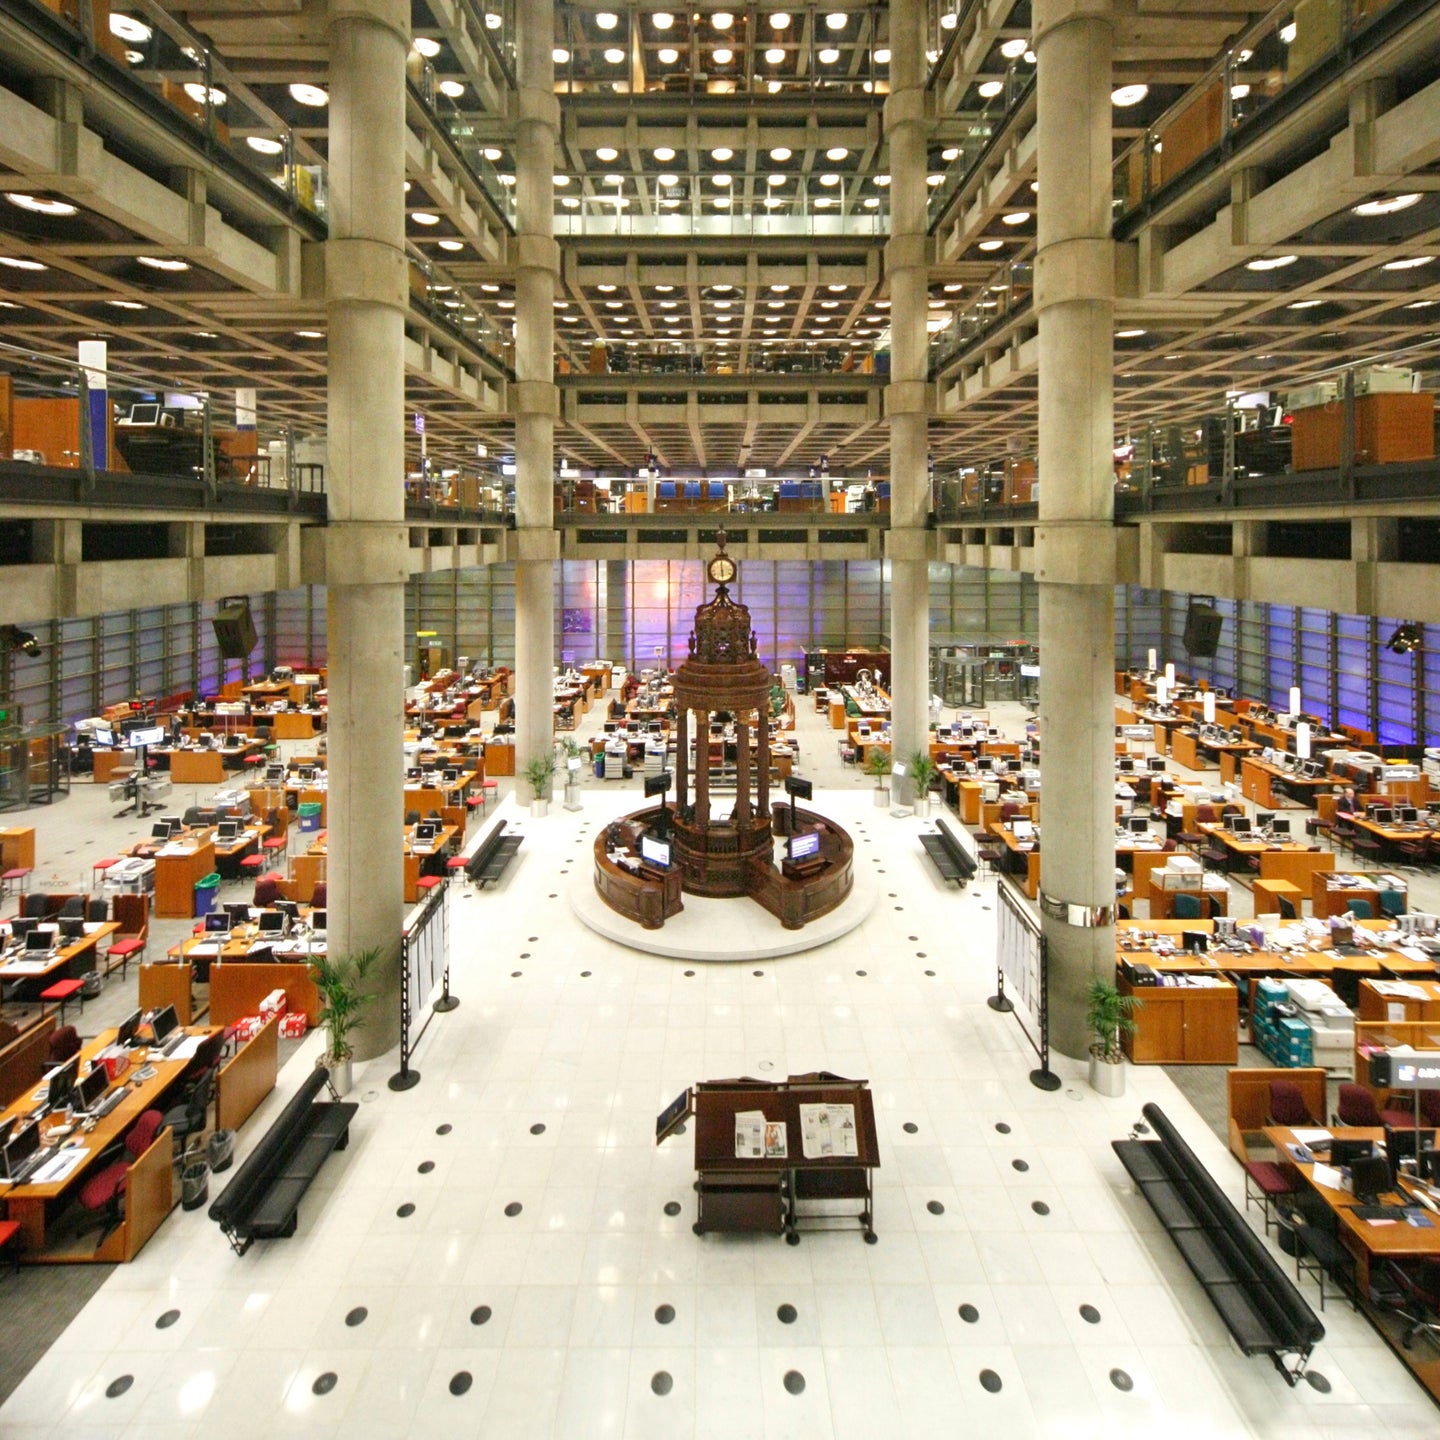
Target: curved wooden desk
{"x":647,"y":896}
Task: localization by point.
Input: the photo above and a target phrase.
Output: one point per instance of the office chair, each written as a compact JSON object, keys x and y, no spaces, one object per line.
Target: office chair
{"x":1355,"y":1105}
{"x":105,"y":1190}
{"x":1415,"y":1298}
{"x":1287,"y":1105}
{"x":64,"y":1042}
{"x":73,"y":908}
{"x":267,"y":892}
{"x":192,"y":1117}
{"x":1319,"y":1253}
{"x":1187,"y":907}
{"x":1360,"y":909}
{"x":317,"y":897}
{"x":1287,"y":909}
{"x":1392,"y":903}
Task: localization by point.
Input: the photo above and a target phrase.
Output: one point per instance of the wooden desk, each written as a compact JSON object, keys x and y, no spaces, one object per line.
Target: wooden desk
{"x":36,"y":1207}
{"x":499,"y":759}
{"x":647,"y":896}
{"x":107,"y":762}
{"x":1258,"y":781}
{"x":751,"y":1194}
{"x":1022,"y":863}
{"x":1330,"y":896}
{"x":168,"y":984}
{"x":1241,"y":846}
{"x":1375,"y":1006}
{"x":176,"y":876}
{"x":247,"y":1078}
{"x":1299,"y":867}
{"x":197,"y":767}
{"x":68,"y":963}
{"x":296,"y":725}
{"x":1392,"y":835}
{"x":17,"y":848}
{"x":237,"y":988}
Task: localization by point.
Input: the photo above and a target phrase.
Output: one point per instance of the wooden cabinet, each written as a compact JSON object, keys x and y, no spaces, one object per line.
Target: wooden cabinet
{"x":175,"y":877}
{"x":1183,"y":1026}
{"x":1389,"y":427}
{"x":17,"y":848}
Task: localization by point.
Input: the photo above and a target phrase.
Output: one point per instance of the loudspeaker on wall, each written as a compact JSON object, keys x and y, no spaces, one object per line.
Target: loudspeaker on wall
{"x":1202,"y":630}
{"x":235,"y":630}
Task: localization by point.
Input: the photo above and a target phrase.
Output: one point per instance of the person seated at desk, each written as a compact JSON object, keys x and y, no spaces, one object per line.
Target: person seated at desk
{"x":1346,"y":804}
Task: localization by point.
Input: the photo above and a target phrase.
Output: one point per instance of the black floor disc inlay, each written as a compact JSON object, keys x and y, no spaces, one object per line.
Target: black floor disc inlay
{"x":934,"y":1207}
{"x":406,"y":1210}
{"x":167,"y":1319}
{"x":460,"y":1382}
{"x":910,"y":1128}
{"x":480,"y":1314}
{"x":794,"y":1382}
{"x":1020,"y":1165}
{"x":513,"y":1208}
{"x":1121,"y":1381}
{"x":443,"y":1129}
{"x":787,"y":1314}
{"x":662,"y":1382}
{"x":425,"y":1167}
{"x":1090,"y":1314}
{"x":325,"y":1383}
{"x":968,"y":1313}
{"x":1039,"y":1207}
{"x":664,"y":1314}
{"x":672,"y":1207}
{"x":991,"y":1381}
{"x":1003,"y":1128}
{"x":537,"y":1129}
{"x":356,"y":1316}
{"x":117,"y":1387}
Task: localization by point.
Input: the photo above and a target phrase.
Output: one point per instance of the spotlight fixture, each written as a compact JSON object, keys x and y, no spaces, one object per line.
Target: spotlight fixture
{"x":1405,"y":641}
{"x":12,"y":637}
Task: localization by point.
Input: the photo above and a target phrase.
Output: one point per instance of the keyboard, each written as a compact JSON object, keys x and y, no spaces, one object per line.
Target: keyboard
{"x":172,"y":1043}
{"x":108,"y":1103}
{"x":1380,"y":1212}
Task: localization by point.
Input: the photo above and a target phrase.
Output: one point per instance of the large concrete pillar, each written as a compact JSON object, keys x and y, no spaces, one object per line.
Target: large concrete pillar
{"x":536,"y":281}
{"x":906,"y":396}
{"x":366,"y":294}
{"x":1075,"y":539}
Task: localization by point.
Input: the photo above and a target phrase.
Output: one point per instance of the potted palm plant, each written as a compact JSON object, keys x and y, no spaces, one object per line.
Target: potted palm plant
{"x":569,"y":748}
{"x":877,"y":763}
{"x":540,"y":775}
{"x":922,"y":771}
{"x":1107,"y":1016}
{"x":340,"y":981}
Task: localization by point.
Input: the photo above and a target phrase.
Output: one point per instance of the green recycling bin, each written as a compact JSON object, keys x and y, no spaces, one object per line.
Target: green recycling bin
{"x":207,"y":889}
{"x":309,"y":815}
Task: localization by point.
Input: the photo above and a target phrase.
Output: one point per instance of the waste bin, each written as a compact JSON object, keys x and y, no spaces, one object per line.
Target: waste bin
{"x":194,"y":1184}
{"x":207,"y":889}
{"x":309,"y":815}
{"x":1285,"y":1223}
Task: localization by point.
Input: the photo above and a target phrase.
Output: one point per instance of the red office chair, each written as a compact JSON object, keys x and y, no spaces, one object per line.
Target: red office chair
{"x":1355,"y":1105}
{"x":64,"y":1042}
{"x":267,"y":892}
{"x":1287,"y":1104}
{"x":105,"y":1190}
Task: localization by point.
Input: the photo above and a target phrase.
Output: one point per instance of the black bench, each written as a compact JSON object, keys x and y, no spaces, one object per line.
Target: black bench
{"x":951,"y":858}
{"x":492,"y":855}
{"x":1262,"y":1309}
{"x":262,"y":1200}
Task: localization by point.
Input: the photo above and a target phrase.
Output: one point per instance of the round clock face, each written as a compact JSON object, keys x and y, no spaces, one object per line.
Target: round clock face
{"x":722,"y":569}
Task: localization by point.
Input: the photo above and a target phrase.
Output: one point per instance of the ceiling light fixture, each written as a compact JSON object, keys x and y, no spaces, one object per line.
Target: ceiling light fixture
{"x":663,"y":153}
{"x":1271,"y":262}
{"x":780,"y":154}
{"x":1385,"y":205}
{"x":452,"y":89}
{"x":722,"y":19}
{"x":126,"y":27}
{"x":990,"y":244}
{"x":989,"y":89}
{"x":311,"y":334}
{"x":777,"y":179}
{"x":451,"y":245}
{"x":933,"y":180}
{"x":15,"y":262}
{"x":1133,"y":334}
{"x":1014,"y":49}
{"x":779,"y":20}
{"x":724,"y":57}
{"x":615,"y":55}
{"x":1304,"y":304}
{"x":607,"y":20}
{"x":127,"y":304}
{"x":424,"y":45}
{"x":662,"y":19}
{"x":424,"y":217}
{"x":828,"y":56}
{"x":836,"y":152}
{"x":560,"y":55}
{"x":1410,"y":262}
{"x":1124,"y":96}
{"x":722,"y":153}
{"x":774,"y":55}
{"x":491,"y":153}
{"x":667,"y":56}
{"x":1405,"y":641}
{"x":668,"y":179}
{"x":311,"y":95}
{"x":264,"y":145}
{"x":39,"y":205}
{"x":829,"y":179}
{"x":882,"y":57}
{"x":157,"y":262}
{"x":607,"y":153}
{"x":196,"y":91}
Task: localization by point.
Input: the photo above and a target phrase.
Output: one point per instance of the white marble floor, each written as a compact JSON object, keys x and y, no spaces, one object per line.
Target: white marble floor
{"x":549,"y":1321}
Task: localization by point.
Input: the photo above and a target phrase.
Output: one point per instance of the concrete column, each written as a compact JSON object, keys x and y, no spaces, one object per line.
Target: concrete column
{"x":906,"y":396}
{"x":366,"y":293}
{"x":536,"y":282}
{"x":1075,"y":540}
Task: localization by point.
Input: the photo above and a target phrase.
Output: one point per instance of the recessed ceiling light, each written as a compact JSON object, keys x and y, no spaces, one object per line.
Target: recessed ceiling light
{"x":780,"y":154}
{"x":1132,"y":334}
{"x":607,"y":19}
{"x":1385,"y":205}
{"x":452,"y":245}
{"x":721,"y":180}
{"x":505,"y":179}
{"x":561,"y":179}
{"x":882,"y":180}
{"x":39,"y":205}
{"x":882,"y":57}
{"x":774,"y":55}
{"x":1410,"y":262}
{"x":668,"y":56}
{"x":933,"y":180}
{"x":15,"y":262}
{"x":1421,"y":304}
{"x":828,"y":56}
{"x":1287,"y":33}
{"x":822,"y":202}
{"x":1239,"y":92}
{"x":773,"y":87}
{"x":722,"y":19}
{"x":836,"y":289}
{"x":425,"y":46}
{"x":951,"y":288}
{"x":1271,"y":262}
{"x":668,"y":179}
{"x":990,"y":89}
{"x":127,"y":304}
{"x":560,"y":55}
{"x":614,"y":179}
{"x":662,"y":20}
{"x":948,"y":20}
{"x":615,"y":55}
{"x":723,"y":57}
{"x":836,"y":20}
{"x":990,"y":244}
{"x":264,"y":145}
{"x":491,"y":153}
{"x":777,"y":179}
{"x":779,"y":289}
{"x":836,"y":152}
{"x":829,"y":179}
{"x":505,"y":304}
{"x":311,"y":334}
{"x":157,"y":262}
{"x":664,"y":289}
{"x":452,"y":89}
{"x":722,"y":153}
{"x":125,"y":27}
{"x":950,"y":154}
{"x":1126,"y":95}
{"x":607,"y":153}
{"x":779,"y":20}
{"x":1014,"y":49}
{"x":872,"y":202}
{"x":1304,"y":304}
{"x":309,"y":95}
{"x":196,"y":91}
{"x":423,"y":217}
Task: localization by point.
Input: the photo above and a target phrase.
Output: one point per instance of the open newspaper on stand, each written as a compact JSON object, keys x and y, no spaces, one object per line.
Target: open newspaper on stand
{"x":757,"y":1138}
{"x":827,"y":1130}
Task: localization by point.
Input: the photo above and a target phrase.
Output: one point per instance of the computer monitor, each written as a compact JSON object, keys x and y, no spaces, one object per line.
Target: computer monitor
{"x":1194,"y":942}
{"x":160,"y":830}
{"x":1347,"y":1152}
{"x":72,"y":927}
{"x":143,"y":739}
{"x":1383,"y":815}
{"x":236,"y":913}
{"x":1022,"y":829}
{"x":985,"y":762}
{"x":426,"y":830}
{"x":1126,"y":766}
{"x":655,"y":852}
{"x":23,"y":1144}
{"x":125,"y":1031}
{"x":317,"y":921}
{"x":1280,"y":825}
{"x":611,"y":727}
{"x":145,"y":413}
{"x":272,"y":922}
{"x":288,"y":907}
{"x":22,"y":925}
{"x":1370,"y":1178}
{"x":1403,"y":1143}
{"x":654,"y":727}
{"x":274,"y":774}
{"x":1409,"y":814}
{"x":1430,"y":1166}
{"x":1014,"y":766}
{"x":163,"y":1022}
{"x":62,"y":1082}
{"x":805,"y":845}
{"x":217,"y":922}
{"x":1139,"y":825}
{"x":1263,"y":819}
{"x":41,"y":938}
{"x":102,"y":738}
{"x":228,"y":829}
{"x":1241,"y":825}
{"x":92,"y":1087}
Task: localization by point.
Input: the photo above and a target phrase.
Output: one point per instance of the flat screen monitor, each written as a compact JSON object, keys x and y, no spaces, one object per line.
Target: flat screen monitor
{"x":142,"y":739}
{"x":274,"y":774}
{"x":229,"y":829}
{"x":1280,"y":825}
{"x":125,"y":1031}
{"x":102,"y":738}
{"x":22,"y":925}
{"x":1383,"y":815}
{"x":655,"y":852}
{"x":657,"y":784}
{"x":1409,"y":814}
{"x":62,"y":1082}
{"x":271,"y":922}
{"x":92,"y":1087}
{"x":1139,"y":825}
{"x":1014,"y":766}
{"x":798,"y":788}
{"x":654,"y":727}
{"x":72,"y":927}
{"x":289,"y":907}
{"x":145,"y":413}
{"x":41,"y":938}
{"x":1263,"y":818}
{"x":1127,"y":766}
{"x":1370,"y":1177}
{"x":1022,"y":829}
{"x":611,"y":727}
{"x":160,"y":830}
{"x":217,"y":922}
{"x":1314,"y":769}
{"x":1403,"y":1143}
{"x":237,"y":913}
{"x":1194,"y":942}
{"x":805,"y":846}
{"x":317,"y":921}
{"x":985,"y":762}
{"x":1241,"y":825}
{"x":1430,"y":1166}
{"x":23,"y":1144}
{"x":425,"y":830}
{"x":163,"y":1022}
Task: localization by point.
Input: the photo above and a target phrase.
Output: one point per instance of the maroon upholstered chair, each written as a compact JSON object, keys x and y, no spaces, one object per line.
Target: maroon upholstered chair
{"x":105,"y":1190}
{"x":1355,"y":1105}
{"x":267,"y":892}
{"x":1287,"y":1104}
{"x":64,"y":1042}
{"x":317,"y":898}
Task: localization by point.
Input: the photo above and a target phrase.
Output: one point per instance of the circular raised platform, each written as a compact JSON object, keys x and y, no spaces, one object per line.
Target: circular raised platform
{"x":719,"y":930}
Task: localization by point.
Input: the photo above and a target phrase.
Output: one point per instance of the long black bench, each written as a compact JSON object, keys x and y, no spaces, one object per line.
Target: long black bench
{"x":263,"y":1199}
{"x":493,"y":853}
{"x":1262,"y":1309}
{"x":950,"y":857}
